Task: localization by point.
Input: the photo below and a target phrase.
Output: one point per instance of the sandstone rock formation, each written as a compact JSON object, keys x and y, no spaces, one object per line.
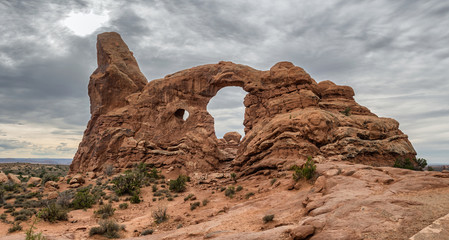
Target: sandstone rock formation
{"x":14,"y":178}
{"x":288,"y":115}
{"x":34,"y":181}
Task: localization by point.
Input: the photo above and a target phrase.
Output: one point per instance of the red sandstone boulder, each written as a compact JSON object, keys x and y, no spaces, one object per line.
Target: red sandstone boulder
{"x":287,"y":115}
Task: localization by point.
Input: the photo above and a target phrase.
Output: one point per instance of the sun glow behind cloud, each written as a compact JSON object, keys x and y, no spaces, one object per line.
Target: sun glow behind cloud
{"x":82,"y":24}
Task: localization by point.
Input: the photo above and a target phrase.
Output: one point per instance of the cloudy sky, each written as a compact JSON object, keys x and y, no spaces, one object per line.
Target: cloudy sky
{"x":395,"y":54}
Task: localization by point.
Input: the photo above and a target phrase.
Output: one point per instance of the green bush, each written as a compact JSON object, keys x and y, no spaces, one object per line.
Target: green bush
{"x":248,"y":195}
{"x":189,"y":197}
{"x":404,"y":163}
{"x":21,"y":218}
{"x":135,"y":198}
{"x":146,"y":232}
{"x":194,"y":205}
{"x":2,"y":194}
{"x":234,"y":177}
{"x":16,"y":227}
{"x":83,"y":199}
{"x":65,"y":198}
{"x":230,"y":191}
{"x":109,"y":170}
{"x":128,"y":183}
{"x":347,"y":111}
{"x":178,"y":185}
{"x":10,"y":186}
{"x":53,"y":213}
{"x":205,"y":202}
{"x":123,"y":206}
{"x":239,"y":188}
{"x":307,"y":171}
{"x":160,"y":215}
{"x":268,"y":218}
{"x":30,"y":235}
{"x":422,"y":163}
{"x":49,"y":177}
{"x":105,"y":211}
{"x":107,"y":228}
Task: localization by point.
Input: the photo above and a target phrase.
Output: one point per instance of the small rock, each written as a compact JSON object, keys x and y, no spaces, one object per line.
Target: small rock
{"x":77,"y":179}
{"x":291,"y":185}
{"x":75,"y":185}
{"x":53,"y":195}
{"x":34,"y":181}
{"x":332,"y":172}
{"x":51,"y":185}
{"x":3,"y":177}
{"x":302,"y":232}
{"x":14,"y":178}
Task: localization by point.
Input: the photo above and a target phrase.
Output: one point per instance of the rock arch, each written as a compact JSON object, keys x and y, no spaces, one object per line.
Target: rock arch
{"x":288,"y":116}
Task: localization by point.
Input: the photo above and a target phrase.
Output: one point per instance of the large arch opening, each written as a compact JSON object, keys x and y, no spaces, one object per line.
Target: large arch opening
{"x":228,"y":111}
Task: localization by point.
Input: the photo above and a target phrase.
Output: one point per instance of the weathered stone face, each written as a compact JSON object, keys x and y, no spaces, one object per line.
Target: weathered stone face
{"x":288,"y":116}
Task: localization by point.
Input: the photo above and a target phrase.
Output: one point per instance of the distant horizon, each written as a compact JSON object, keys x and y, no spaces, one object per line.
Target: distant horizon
{"x":58,"y":161}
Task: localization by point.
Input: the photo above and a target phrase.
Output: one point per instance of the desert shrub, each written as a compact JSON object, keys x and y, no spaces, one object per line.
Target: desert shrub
{"x":65,"y":198}
{"x":23,"y":215}
{"x":194,"y":205}
{"x":127,"y":184}
{"x":16,"y":227}
{"x":205,"y":202}
{"x":160,"y":215}
{"x":3,"y":217}
{"x":248,"y":195}
{"x":37,"y":195}
{"x":422,"y":163}
{"x":109,"y":170}
{"x":107,"y":228}
{"x":135,"y":198}
{"x":191,"y":195}
{"x":154,"y":173}
{"x":10,"y":186}
{"x":273,"y":181}
{"x":52,"y":213}
{"x":97,"y":191}
{"x":123,"y":206}
{"x":2,"y":194}
{"x":21,"y":218}
{"x":105,"y":211}
{"x":347,"y":111}
{"x":239,"y":188}
{"x":307,"y":171}
{"x":404,"y":163}
{"x":230,"y":191}
{"x":178,"y":185}
{"x":30,"y":235}
{"x":49,"y":177}
{"x":83,"y":199}
{"x":115,"y":198}
{"x":146,"y":232}
{"x":268,"y":218}
{"x":234,"y":177}
{"x":429,"y":168}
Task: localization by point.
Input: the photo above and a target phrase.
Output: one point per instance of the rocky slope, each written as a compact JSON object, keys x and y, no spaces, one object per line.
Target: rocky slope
{"x":288,"y":115}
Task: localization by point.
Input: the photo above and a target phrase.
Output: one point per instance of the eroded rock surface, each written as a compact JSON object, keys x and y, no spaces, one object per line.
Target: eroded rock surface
{"x":288,"y":115}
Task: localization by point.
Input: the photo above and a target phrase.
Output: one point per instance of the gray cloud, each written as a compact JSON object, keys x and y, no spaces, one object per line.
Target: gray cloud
{"x":10,"y":144}
{"x":393,"y":53}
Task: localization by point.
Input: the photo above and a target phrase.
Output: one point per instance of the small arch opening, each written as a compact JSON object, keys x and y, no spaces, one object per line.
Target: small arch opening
{"x":228,"y":111}
{"x":182,"y":114}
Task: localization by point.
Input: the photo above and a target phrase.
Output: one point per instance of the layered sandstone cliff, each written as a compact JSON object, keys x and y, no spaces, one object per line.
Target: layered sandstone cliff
{"x":288,"y":116}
